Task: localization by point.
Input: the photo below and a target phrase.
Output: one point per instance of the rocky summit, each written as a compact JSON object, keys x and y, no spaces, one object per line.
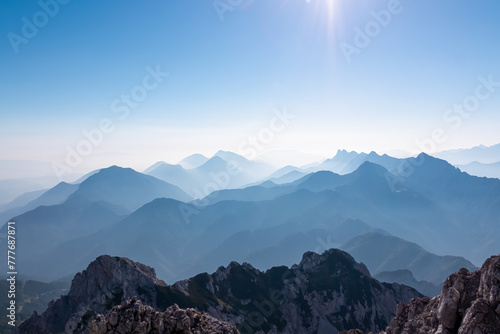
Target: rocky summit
{"x":134,"y":317}
{"x":322,"y":294}
{"x":105,"y":283}
{"x":469,"y":304}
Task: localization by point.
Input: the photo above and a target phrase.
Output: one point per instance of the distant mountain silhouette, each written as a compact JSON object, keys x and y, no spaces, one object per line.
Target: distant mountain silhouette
{"x":475,"y":168}
{"x":10,"y":189}
{"x":45,"y":227}
{"x":53,"y":196}
{"x":265,"y":220}
{"x":126,"y":188}
{"x":345,"y":162}
{"x":339,"y":162}
{"x":406,"y":277}
{"x":420,"y":205}
{"x":288,"y":178}
{"x":22,"y":200}
{"x":432,"y":204}
{"x":289,"y":249}
{"x":471,"y":202}
{"x":99,"y":201}
{"x":388,"y":253}
{"x":286,"y":174}
{"x":222,"y":171}
{"x":159,"y":226}
{"x":86,"y":176}
{"x":193,"y":161}
{"x":173,"y":174}
{"x":482,"y":154}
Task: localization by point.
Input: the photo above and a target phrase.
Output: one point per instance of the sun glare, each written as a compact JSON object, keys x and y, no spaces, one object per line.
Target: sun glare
{"x":324,"y":16}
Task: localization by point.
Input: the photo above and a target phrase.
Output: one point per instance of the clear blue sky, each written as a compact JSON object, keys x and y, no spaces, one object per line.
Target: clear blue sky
{"x":227,"y":76}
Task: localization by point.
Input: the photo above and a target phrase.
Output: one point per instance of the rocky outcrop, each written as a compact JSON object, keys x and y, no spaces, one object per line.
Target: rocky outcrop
{"x":352,"y":331}
{"x":135,"y":318}
{"x":325,"y":293}
{"x":322,"y":294}
{"x":105,"y":283}
{"x":469,"y":304}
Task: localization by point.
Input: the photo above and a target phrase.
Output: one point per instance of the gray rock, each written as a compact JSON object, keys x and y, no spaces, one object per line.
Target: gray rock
{"x":353,"y":331}
{"x":137,"y":318}
{"x":468,"y":304}
{"x":330,"y":292}
{"x":106,"y":282}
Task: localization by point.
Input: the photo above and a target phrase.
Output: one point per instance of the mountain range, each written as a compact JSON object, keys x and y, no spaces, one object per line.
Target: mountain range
{"x":407,"y":219}
{"x":199,"y":176}
{"x":491,"y":170}
{"x":420,"y":208}
{"x":481,"y":153}
{"x":327,"y":293}
{"x":322,"y":294}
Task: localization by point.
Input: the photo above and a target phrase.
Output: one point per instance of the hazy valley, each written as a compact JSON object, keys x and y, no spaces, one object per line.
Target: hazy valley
{"x":400,"y":217}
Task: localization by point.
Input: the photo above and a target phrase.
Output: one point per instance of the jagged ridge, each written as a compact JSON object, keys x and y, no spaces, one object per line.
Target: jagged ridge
{"x":469,"y":304}
{"x":134,"y":317}
{"x":329,"y":291}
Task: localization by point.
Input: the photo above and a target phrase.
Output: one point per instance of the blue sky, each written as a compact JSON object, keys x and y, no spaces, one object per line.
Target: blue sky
{"x":227,"y":77}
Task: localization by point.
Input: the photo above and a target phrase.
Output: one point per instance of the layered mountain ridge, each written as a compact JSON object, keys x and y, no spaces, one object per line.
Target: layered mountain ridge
{"x":319,"y":211}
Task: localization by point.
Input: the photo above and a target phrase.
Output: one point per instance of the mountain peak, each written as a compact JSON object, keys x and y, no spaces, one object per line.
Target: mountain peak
{"x":231,"y":156}
{"x":370,"y":168}
{"x":373,"y":154}
{"x":114,"y":169}
{"x":219,"y":152}
{"x":127,"y":188}
{"x":214,"y":162}
{"x":106,"y":273}
{"x":333,"y":284}
{"x":341,"y":152}
{"x":193,"y":161}
{"x":430,"y":164}
{"x":106,"y":282}
{"x":332,"y":259}
{"x":154,"y":166}
{"x":109,"y":173}
{"x":424,"y":156}
{"x":344,"y":153}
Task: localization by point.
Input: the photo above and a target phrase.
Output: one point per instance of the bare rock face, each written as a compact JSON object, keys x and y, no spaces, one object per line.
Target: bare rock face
{"x":469,"y":304}
{"x":105,"y":283}
{"x":322,"y":294}
{"x":134,"y":317}
{"x":353,"y":331}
